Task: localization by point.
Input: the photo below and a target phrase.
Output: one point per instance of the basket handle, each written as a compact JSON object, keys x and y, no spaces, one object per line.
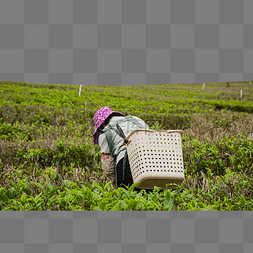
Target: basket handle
{"x":175,"y":131}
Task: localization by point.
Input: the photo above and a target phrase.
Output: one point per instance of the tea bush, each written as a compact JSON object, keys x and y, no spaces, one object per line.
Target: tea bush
{"x":48,"y":160}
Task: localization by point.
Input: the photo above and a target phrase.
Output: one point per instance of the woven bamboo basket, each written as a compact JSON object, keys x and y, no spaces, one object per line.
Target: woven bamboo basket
{"x":156,"y":158}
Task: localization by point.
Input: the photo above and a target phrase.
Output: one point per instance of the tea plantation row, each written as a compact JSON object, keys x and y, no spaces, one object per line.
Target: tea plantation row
{"x":48,"y":160}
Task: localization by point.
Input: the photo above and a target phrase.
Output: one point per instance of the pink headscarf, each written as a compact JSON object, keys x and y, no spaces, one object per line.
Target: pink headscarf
{"x":100,"y":116}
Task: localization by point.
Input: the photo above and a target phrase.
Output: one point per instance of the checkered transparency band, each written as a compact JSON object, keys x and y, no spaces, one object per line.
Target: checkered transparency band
{"x":116,"y":232}
{"x":134,"y":42}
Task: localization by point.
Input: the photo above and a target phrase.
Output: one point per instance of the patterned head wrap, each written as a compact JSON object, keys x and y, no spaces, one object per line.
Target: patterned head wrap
{"x":100,"y":116}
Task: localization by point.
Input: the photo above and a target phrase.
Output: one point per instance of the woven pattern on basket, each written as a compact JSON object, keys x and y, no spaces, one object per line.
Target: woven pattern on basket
{"x":155,"y":154}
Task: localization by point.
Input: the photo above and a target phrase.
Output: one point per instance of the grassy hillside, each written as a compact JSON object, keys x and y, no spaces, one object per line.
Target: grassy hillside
{"x":49,"y":162}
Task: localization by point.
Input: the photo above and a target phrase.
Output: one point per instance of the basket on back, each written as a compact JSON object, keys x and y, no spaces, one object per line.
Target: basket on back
{"x":155,"y":158}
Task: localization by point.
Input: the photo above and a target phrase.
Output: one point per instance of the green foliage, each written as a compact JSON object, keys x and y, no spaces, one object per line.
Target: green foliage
{"x":48,"y":160}
{"x":102,"y":197}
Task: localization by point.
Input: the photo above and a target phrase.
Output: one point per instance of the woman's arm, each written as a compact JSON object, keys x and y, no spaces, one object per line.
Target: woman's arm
{"x":108,"y":163}
{"x":104,"y":148}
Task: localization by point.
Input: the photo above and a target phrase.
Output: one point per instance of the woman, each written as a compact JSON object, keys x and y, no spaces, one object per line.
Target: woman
{"x":114,"y":160}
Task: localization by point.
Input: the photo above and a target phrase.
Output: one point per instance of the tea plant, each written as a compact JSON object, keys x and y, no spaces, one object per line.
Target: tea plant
{"x":48,"y":160}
